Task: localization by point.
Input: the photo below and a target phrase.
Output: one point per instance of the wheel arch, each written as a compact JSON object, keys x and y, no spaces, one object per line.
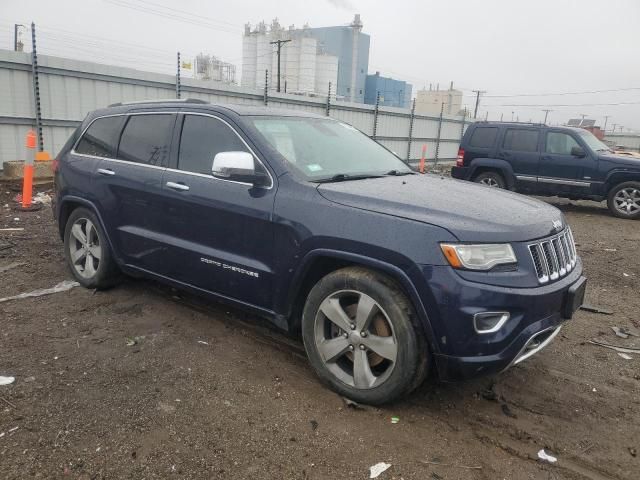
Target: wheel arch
{"x":617,"y":177}
{"x":479,"y":165}
{"x":318,"y":263}
{"x":68,"y":205}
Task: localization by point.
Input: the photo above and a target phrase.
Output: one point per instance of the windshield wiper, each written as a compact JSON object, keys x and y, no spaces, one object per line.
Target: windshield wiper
{"x":341,"y":177}
{"x":398,"y":174}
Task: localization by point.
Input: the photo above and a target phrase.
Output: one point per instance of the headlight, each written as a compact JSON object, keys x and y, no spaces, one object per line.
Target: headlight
{"x":478,"y":257}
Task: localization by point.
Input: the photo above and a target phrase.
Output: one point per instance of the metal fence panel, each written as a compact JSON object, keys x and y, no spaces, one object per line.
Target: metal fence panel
{"x":70,"y":89}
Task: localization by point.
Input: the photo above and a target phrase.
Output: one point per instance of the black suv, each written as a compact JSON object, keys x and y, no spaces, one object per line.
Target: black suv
{"x":542,"y":160}
{"x":302,"y":219}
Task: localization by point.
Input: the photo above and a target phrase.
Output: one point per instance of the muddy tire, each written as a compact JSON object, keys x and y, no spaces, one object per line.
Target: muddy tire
{"x":362,"y":336}
{"x":87,"y":251}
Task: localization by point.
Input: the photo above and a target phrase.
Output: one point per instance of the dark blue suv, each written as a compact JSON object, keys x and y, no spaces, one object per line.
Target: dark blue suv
{"x":542,"y":160}
{"x":386,"y":274}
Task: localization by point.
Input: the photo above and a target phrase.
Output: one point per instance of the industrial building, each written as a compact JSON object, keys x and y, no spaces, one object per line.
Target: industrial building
{"x":429,"y":102}
{"x":313,"y":58}
{"x":209,"y":67}
{"x":393,"y":93}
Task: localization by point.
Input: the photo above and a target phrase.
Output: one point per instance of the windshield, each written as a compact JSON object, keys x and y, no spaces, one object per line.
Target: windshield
{"x":324,"y":149}
{"x":592,"y":142}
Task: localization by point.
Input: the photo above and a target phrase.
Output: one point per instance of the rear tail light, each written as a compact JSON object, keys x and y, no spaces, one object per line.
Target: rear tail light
{"x":460,"y":158}
{"x":54,"y":165}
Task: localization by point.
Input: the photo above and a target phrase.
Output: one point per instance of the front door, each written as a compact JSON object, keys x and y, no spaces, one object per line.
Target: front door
{"x":560,"y":171}
{"x":219,"y":233}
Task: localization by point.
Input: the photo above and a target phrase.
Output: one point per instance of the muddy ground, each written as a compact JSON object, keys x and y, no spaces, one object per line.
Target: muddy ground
{"x":208,"y":391}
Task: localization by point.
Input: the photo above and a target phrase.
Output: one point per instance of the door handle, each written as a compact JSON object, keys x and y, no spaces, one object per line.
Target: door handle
{"x":106,"y":171}
{"x":178,"y":186}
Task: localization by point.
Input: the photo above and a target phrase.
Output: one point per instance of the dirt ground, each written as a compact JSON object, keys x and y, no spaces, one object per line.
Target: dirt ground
{"x":208,"y":391}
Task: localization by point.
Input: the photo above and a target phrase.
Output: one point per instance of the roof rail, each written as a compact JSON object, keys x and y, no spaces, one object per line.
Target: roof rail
{"x":168,"y":100}
{"x":538,"y":124}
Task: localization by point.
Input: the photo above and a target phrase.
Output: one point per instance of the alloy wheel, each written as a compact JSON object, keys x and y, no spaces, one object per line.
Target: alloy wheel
{"x":355,"y":339}
{"x":627,"y":201}
{"x":489,"y":182}
{"x":84,"y":248}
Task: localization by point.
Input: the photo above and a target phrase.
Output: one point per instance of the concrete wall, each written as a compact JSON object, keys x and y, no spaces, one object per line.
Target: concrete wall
{"x":70,"y":89}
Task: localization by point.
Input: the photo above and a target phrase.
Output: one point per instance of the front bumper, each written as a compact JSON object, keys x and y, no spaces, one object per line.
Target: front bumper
{"x":536,"y":315}
{"x":461,"y":173}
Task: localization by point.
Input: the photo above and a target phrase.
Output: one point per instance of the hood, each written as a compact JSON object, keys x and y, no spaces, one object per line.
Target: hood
{"x":471,"y":212}
{"x":626,"y":160}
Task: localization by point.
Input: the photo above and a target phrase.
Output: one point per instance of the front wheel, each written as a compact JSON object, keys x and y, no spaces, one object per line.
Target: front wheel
{"x":87,"y":251}
{"x":624,"y":200}
{"x":362,"y":337}
{"x":490,"y":179}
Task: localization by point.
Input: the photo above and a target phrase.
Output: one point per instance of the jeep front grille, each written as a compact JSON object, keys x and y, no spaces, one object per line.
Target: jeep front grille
{"x":554,"y":257}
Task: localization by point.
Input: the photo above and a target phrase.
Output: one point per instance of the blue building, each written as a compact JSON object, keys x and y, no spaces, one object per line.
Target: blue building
{"x":393,"y":93}
{"x":351,"y":46}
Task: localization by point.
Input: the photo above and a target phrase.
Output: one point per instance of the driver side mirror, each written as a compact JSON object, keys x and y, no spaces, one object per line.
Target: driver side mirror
{"x":578,"y":152}
{"x":238,"y":167}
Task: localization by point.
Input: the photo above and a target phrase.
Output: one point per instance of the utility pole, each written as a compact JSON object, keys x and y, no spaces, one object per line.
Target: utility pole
{"x":606,"y":119}
{"x":478,"y":93}
{"x":17,"y":46}
{"x":279,"y":43}
{"x":546,"y":114}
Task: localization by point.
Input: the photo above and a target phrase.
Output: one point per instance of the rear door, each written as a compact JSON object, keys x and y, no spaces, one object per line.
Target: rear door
{"x":218,"y":233}
{"x":130,"y":188}
{"x":560,"y":171}
{"x":520,"y":147}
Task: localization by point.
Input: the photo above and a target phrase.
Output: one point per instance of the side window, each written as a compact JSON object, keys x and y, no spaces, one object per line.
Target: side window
{"x":560,"y":143}
{"x":483,"y":137}
{"x":101,"y":138}
{"x":202,"y":138}
{"x":521,"y":140}
{"x":146,"y":139}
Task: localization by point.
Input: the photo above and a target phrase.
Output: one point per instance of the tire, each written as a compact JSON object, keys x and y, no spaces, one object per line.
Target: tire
{"x":491,"y":179}
{"x":624,"y":200}
{"x":387,"y":369}
{"x":94,"y":266}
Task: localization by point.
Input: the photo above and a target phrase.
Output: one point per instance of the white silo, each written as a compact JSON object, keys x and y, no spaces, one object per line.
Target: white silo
{"x":249,"y":60}
{"x":308,"y":52}
{"x":264,"y":54}
{"x":326,"y":71}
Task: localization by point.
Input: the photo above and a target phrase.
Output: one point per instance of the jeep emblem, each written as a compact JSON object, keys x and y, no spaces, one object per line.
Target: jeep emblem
{"x":557,"y":225}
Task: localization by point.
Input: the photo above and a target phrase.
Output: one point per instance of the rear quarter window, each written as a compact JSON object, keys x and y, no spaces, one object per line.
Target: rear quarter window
{"x":483,"y":137}
{"x":101,"y":138}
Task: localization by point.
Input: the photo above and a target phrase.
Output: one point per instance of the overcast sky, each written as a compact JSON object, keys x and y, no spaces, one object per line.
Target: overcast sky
{"x":506,"y":47}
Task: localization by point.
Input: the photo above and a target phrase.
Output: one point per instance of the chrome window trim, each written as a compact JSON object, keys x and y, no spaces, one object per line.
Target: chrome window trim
{"x":175,"y":112}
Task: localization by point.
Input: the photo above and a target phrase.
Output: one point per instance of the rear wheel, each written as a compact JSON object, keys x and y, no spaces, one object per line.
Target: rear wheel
{"x":362,"y":338}
{"x":490,"y":179}
{"x":87,"y":251}
{"x":624,"y":200}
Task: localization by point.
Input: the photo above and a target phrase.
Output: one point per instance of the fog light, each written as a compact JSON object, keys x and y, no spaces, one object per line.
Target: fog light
{"x":489,"y":322}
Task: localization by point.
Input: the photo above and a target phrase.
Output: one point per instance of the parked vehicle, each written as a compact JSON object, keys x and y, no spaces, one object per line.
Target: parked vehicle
{"x":542,"y":160}
{"x":385,"y":273}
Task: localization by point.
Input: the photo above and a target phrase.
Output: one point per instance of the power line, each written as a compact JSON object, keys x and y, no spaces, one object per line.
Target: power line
{"x":561,"y":105}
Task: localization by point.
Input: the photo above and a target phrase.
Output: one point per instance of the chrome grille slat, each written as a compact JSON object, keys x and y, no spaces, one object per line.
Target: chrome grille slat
{"x":554,"y":257}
